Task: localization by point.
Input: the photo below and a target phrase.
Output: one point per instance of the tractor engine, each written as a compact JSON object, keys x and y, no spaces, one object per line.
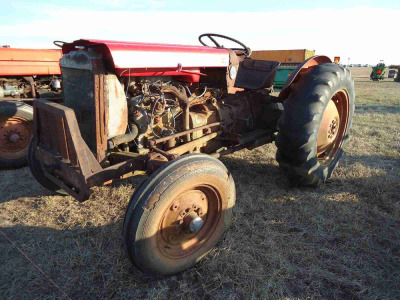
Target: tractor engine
{"x":14,"y":88}
{"x":159,"y":108}
{"x":29,"y":73}
{"x":129,"y":112}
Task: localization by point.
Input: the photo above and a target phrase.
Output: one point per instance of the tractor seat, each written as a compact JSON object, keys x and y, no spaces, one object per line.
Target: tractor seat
{"x":256,"y":74}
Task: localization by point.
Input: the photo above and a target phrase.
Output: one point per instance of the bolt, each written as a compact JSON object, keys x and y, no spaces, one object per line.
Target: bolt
{"x":171,"y":156}
{"x":174,"y":207}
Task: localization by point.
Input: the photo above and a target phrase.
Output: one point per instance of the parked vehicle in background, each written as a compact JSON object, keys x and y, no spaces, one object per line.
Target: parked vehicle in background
{"x":289,"y":60}
{"x":397,"y":79}
{"x":392,"y":73}
{"x":378,"y":72}
{"x":25,"y":74}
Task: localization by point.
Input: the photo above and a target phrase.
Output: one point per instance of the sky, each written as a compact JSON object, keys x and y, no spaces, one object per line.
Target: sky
{"x":360,"y":32}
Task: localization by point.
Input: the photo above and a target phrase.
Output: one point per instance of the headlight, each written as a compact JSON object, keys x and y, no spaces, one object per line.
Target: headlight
{"x":232,"y":72}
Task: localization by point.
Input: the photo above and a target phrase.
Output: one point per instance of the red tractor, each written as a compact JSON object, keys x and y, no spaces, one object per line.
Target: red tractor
{"x":24,"y":75}
{"x":170,"y":111}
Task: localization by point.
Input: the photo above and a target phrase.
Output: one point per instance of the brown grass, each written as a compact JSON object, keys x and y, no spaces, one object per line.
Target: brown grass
{"x":338,"y":241}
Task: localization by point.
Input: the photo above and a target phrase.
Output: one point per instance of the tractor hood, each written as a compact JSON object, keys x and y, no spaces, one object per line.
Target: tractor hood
{"x":131,"y":57}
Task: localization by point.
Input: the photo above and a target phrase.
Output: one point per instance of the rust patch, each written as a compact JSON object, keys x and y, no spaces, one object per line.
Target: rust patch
{"x":117,"y":107}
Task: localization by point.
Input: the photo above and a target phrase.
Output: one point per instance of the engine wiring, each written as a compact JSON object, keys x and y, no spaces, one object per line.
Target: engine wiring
{"x":152,"y":118}
{"x":147,"y":95}
{"x":196,"y":97}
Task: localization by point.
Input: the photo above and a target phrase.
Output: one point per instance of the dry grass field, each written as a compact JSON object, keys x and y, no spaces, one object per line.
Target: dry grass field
{"x":339,"y":241}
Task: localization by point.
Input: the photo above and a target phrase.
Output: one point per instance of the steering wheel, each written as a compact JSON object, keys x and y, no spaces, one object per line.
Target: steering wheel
{"x":59,"y":43}
{"x":246,"y":50}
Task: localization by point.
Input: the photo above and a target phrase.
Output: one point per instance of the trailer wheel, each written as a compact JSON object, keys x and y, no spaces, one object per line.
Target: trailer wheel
{"x":15,"y":133}
{"x":37,"y":170}
{"x":315,"y":124}
{"x":178,"y":214}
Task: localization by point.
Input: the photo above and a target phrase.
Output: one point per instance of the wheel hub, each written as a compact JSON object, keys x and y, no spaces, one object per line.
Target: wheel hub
{"x":185,"y":214}
{"x":187,"y":222}
{"x":328,"y":129}
{"x":14,"y":137}
{"x":333,"y":127}
{"x":15,"y":134}
{"x":194,"y":221}
{"x":332,"y":130}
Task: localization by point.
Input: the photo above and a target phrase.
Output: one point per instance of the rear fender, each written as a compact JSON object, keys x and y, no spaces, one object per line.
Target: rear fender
{"x":311,"y":62}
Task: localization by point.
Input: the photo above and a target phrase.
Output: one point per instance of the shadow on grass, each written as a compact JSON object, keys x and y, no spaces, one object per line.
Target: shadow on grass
{"x":19,"y":183}
{"x":377,"y":109}
{"x":364,"y":79}
{"x":337,"y":241}
{"x":372,"y":161}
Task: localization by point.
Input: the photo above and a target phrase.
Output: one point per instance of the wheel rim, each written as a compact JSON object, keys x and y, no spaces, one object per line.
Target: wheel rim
{"x":189,"y":221}
{"x":15,"y":134}
{"x":333,"y":127}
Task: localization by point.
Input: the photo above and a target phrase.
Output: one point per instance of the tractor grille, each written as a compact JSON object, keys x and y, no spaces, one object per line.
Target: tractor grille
{"x":79,"y":94}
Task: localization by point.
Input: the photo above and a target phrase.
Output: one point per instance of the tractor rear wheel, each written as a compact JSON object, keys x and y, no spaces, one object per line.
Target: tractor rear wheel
{"x":315,"y":124}
{"x":178,"y":214}
{"x":15,"y":133}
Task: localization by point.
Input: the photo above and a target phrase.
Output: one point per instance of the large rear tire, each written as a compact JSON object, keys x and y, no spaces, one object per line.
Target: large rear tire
{"x":15,"y":133}
{"x":315,"y":124}
{"x":178,"y":214}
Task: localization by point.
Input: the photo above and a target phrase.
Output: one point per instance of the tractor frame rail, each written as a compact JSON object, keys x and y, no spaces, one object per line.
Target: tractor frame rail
{"x":68,"y":162}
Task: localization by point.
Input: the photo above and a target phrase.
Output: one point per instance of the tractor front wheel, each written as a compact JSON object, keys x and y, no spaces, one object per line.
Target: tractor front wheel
{"x":315,"y":124}
{"x":178,"y":214}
